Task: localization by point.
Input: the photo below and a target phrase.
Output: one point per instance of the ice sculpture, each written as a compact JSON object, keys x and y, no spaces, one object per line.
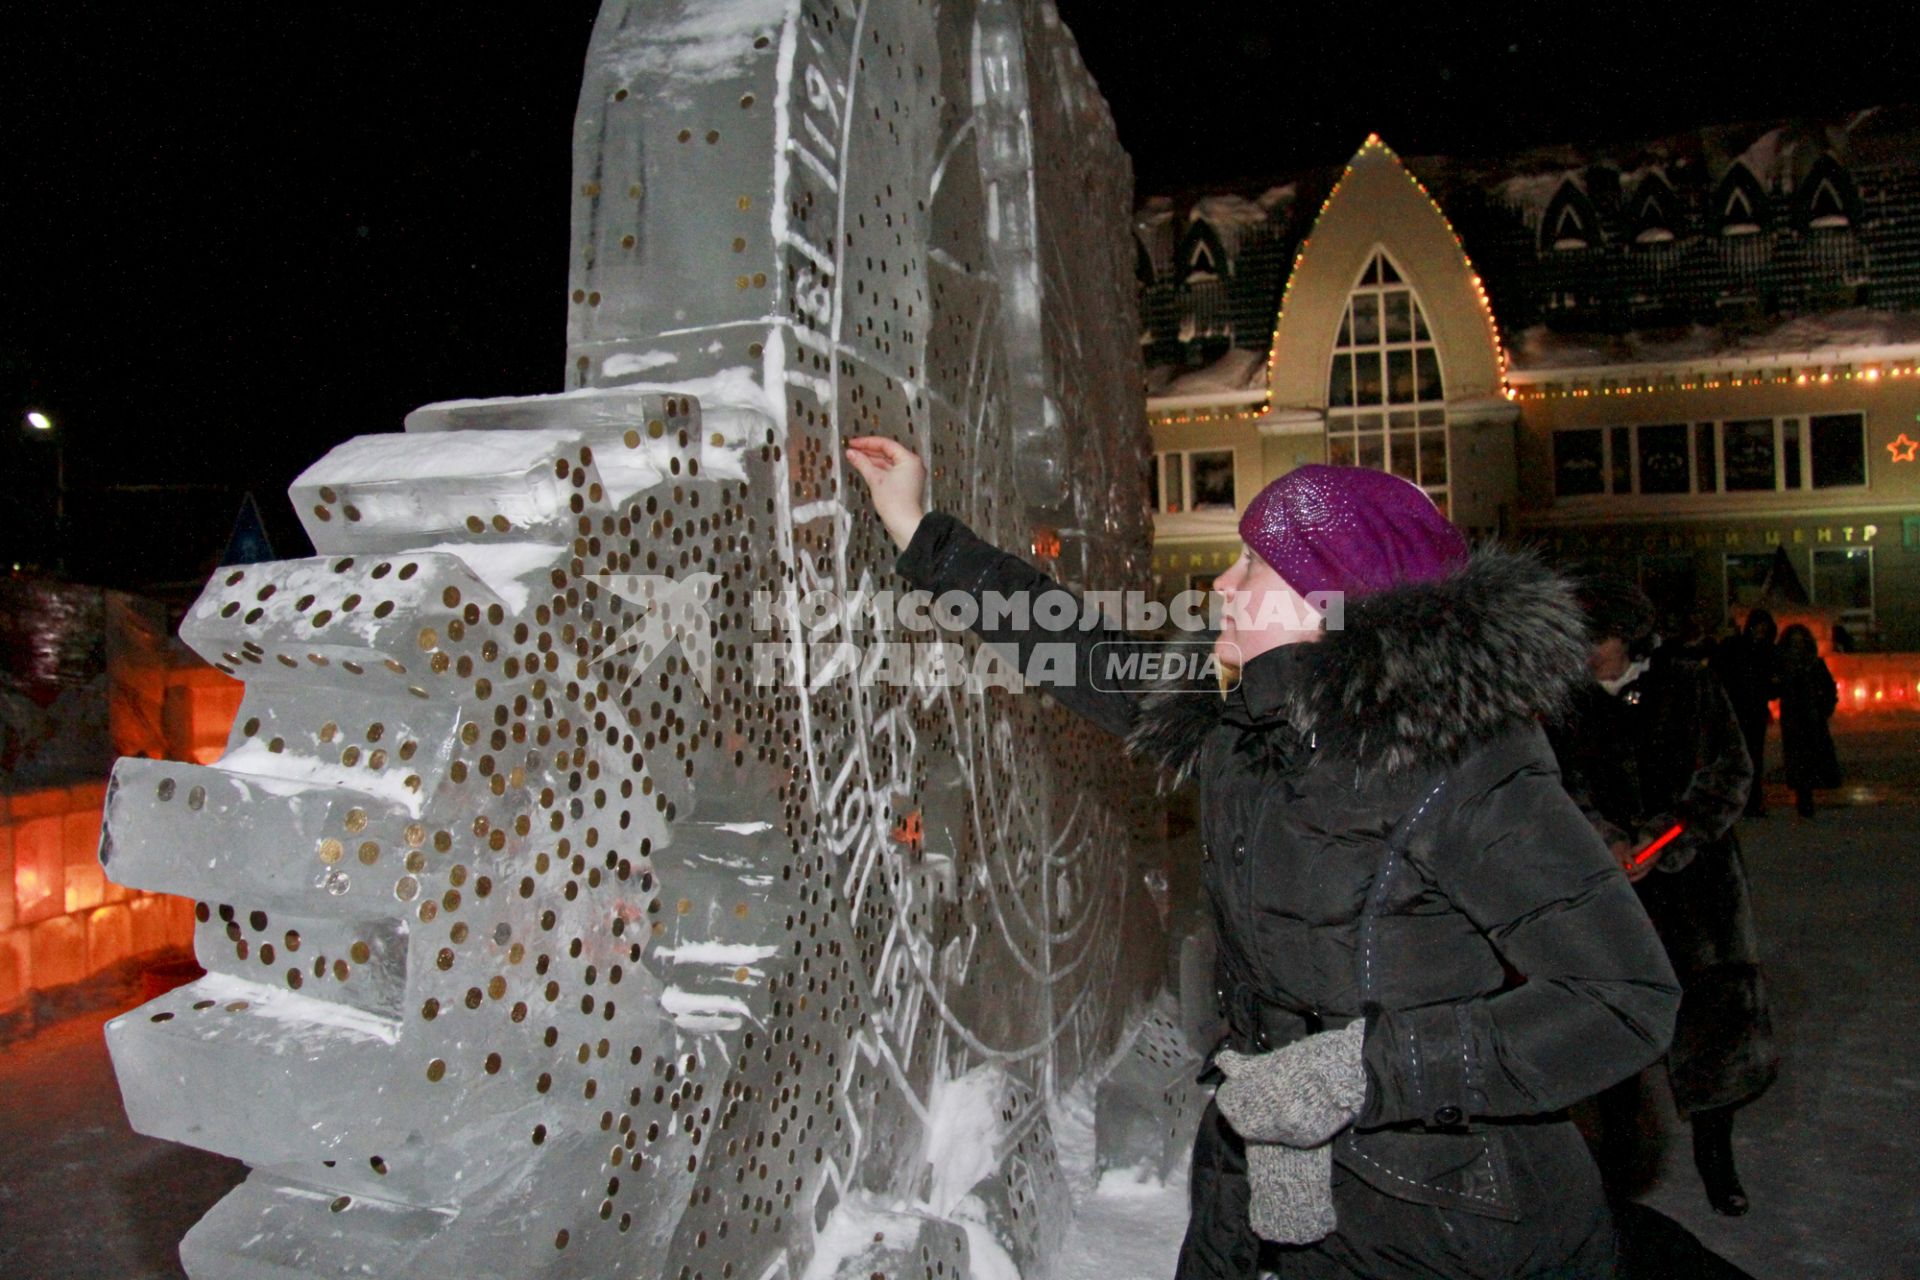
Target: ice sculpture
{"x":543,"y":940}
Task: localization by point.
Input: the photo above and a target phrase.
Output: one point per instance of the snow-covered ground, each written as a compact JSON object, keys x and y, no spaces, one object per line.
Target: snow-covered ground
{"x":1831,"y":1154}
{"x":1126,"y":1225}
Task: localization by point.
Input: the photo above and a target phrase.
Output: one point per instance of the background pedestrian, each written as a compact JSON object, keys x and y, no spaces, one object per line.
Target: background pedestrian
{"x":1655,"y":757}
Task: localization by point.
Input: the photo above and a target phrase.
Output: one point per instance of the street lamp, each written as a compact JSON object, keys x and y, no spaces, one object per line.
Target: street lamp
{"x":40,"y":427}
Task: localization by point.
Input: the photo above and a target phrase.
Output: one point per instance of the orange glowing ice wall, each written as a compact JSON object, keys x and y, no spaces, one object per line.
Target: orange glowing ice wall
{"x":1876,"y":681}
{"x":61,"y":920}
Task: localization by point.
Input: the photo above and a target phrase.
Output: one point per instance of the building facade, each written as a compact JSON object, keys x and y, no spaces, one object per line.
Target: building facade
{"x":1697,"y":362}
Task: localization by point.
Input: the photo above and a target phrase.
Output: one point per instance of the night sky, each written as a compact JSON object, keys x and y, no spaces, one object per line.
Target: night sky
{"x":236,"y":233}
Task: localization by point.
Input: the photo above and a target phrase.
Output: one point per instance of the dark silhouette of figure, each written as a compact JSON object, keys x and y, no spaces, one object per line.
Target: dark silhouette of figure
{"x":1690,"y":642}
{"x":1745,"y":664}
{"x":1652,"y":751}
{"x":1808,"y":698}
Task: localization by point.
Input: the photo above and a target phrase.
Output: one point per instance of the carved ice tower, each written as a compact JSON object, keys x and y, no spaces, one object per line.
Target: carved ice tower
{"x":542,"y":940}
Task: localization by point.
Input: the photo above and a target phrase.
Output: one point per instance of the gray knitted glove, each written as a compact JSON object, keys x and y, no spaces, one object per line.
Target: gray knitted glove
{"x":1300,"y":1095}
{"x":1292,"y":1192}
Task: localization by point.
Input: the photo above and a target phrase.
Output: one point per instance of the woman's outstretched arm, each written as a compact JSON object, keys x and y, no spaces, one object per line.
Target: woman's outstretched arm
{"x":939,"y":554}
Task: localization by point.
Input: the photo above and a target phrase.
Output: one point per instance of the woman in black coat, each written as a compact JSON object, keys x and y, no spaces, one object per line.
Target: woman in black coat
{"x":1745,"y":663}
{"x":1653,"y":750}
{"x":1425,"y":951}
{"x":1808,"y":698}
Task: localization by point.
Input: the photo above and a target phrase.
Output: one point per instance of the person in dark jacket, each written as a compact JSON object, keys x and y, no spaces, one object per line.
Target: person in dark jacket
{"x":1425,"y":952}
{"x":1745,"y":663}
{"x":1808,"y":698}
{"x":1656,"y":758}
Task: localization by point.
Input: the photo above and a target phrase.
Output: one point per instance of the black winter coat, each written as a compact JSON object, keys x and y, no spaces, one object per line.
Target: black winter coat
{"x":1504,"y":968}
{"x":1747,"y":671}
{"x":1808,"y":699}
{"x":1667,"y":748}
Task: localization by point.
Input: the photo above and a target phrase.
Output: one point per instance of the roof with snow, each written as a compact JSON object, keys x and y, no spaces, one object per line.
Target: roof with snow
{"x":1736,"y":241}
{"x":1857,"y":334}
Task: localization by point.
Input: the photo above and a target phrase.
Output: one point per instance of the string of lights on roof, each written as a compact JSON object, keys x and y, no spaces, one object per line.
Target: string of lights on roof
{"x":1784,"y":377}
{"x":1373,"y":143}
{"x":1761,"y":378}
{"x":1181,"y":417}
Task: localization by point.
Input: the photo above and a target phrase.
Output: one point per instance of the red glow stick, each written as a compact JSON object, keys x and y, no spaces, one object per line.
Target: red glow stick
{"x":1652,"y":851}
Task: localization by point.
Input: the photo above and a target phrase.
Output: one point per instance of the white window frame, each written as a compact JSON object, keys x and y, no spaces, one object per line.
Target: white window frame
{"x":1813,"y":580}
{"x":1183,"y":460}
{"x":1719,"y":430}
{"x":1342,"y":420}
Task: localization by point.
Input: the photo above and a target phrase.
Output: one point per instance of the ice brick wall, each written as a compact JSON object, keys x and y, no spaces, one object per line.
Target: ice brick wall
{"x":61,"y":919}
{"x":546,"y":938}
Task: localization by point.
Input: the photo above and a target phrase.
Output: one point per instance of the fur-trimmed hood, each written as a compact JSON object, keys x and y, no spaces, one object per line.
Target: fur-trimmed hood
{"x":1418,"y":674}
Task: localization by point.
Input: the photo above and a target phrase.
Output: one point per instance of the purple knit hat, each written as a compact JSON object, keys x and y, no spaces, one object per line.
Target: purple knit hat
{"x":1350,"y":529}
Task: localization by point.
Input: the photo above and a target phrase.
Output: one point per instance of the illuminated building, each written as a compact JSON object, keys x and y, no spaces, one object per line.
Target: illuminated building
{"x":1696,"y":361}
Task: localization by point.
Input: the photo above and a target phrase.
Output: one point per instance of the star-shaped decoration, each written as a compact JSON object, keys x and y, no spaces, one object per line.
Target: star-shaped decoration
{"x":1903,"y":449}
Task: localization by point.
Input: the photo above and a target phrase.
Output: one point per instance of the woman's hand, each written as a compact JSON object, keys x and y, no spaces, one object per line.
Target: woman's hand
{"x":897,"y":479}
{"x":1624,"y":854}
{"x":1300,"y":1094}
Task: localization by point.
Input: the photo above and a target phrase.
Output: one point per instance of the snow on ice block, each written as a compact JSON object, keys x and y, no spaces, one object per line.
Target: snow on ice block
{"x":267,"y":1229}
{"x":600,"y":412}
{"x":387,"y":493}
{"x":723,"y":933}
{"x":1022,"y":1208}
{"x":357,"y":622}
{"x":640,"y":437}
{"x":282,"y":843}
{"x":861,"y":1240}
{"x":299,"y":1093}
{"x":1146,"y":1110}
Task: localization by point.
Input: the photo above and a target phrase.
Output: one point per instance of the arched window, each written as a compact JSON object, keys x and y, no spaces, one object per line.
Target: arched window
{"x":1827,"y":199}
{"x":1202,"y":257}
{"x":1740,"y":202}
{"x":1386,"y":400}
{"x":1654,"y":207}
{"x":1571,"y":221}
{"x":1569,"y":232}
{"x":1826,"y":209}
